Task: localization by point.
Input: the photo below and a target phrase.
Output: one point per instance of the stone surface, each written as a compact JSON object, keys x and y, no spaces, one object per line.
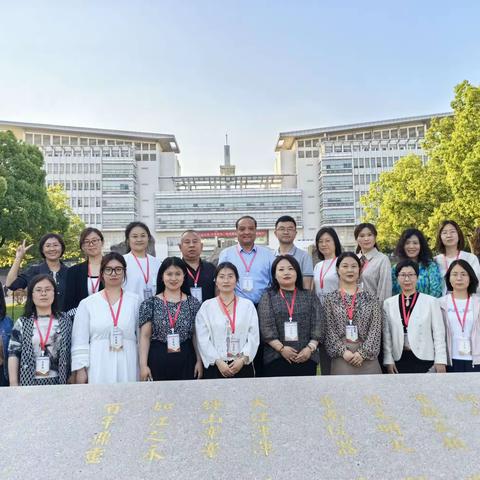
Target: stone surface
{"x":365,"y":427}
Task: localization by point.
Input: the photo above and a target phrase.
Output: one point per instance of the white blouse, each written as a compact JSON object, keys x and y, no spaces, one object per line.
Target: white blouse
{"x":444,"y":262}
{"x":211,"y":330}
{"x":135,"y":282}
{"x":330,"y":277}
{"x":456,"y":329}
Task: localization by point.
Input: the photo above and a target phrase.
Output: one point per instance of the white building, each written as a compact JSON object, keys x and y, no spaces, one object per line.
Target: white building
{"x":334,"y":166}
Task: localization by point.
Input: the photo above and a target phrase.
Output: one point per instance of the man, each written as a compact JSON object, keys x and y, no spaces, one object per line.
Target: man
{"x":200,"y":278}
{"x":286,"y":231}
{"x":253,"y":262}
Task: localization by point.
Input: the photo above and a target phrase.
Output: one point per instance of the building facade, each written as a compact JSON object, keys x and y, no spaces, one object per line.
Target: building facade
{"x":334,"y":167}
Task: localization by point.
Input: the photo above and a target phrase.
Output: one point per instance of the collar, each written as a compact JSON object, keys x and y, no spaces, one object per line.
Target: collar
{"x":241,"y":249}
{"x":191,"y":268}
{"x":372,"y":253}
{"x":291,"y":252}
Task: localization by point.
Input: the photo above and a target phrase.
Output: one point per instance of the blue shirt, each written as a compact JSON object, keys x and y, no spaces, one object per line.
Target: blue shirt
{"x":259,"y":271}
{"x":303,"y":259}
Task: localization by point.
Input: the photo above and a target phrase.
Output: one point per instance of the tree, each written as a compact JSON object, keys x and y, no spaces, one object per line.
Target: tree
{"x":416,"y":195}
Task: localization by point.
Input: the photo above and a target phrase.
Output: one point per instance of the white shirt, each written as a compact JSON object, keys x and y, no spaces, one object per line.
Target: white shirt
{"x":444,"y":263}
{"x":211,"y":330}
{"x":329,"y":274}
{"x":455,"y":328}
{"x":135,"y":282}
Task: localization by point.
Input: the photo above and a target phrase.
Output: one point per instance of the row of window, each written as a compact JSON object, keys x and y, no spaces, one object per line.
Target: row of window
{"x":91,"y":218}
{"x":75,"y":184}
{"x":47,"y":140}
{"x":79,"y":202}
{"x":73,"y":167}
{"x":105,"y":153}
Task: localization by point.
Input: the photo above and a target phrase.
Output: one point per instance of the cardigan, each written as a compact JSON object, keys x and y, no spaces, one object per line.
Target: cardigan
{"x":76,"y":285}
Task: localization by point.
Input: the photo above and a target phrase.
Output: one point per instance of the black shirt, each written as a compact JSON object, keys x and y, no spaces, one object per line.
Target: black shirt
{"x":205,"y":279}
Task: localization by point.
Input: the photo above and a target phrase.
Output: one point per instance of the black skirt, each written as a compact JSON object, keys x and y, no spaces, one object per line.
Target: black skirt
{"x":409,"y":363}
{"x":171,"y":366}
{"x":281,"y":368}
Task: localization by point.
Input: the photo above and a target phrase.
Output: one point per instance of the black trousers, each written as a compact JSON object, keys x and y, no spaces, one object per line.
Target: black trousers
{"x":462,"y":366}
{"x":281,"y":368}
{"x":409,"y":363}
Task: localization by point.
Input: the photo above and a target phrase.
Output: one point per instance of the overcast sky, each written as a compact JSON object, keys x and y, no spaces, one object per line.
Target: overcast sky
{"x":199,"y":69}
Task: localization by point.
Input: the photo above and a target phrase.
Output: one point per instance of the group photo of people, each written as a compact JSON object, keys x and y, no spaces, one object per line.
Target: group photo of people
{"x":255,"y":312}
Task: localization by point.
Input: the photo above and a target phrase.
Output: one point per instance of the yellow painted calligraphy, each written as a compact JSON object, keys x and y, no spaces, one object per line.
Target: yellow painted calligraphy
{"x":153,"y":454}
{"x":94,"y":455}
{"x":102,"y":438}
{"x":113,"y":408}
{"x":211,"y":449}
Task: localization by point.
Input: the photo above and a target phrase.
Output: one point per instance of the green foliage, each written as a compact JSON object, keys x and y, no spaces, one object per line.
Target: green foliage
{"x":417,"y":195}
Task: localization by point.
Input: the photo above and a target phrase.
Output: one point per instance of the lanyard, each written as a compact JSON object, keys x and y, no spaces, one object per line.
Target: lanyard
{"x":290,"y":306}
{"x":249,"y":266}
{"x":114,"y":315}
{"x":43,"y":342}
{"x":446,"y":262}
{"x":225,"y":310}
{"x":406,"y":317}
{"x":365,"y":263}
{"x":147,"y":276}
{"x":194,"y":278}
{"x":461,"y":322}
{"x":322,"y":277}
{"x":93,"y":285}
{"x":173,"y":320}
{"x":350,"y":309}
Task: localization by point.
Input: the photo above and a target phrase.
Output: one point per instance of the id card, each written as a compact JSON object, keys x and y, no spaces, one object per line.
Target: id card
{"x":351,"y":333}
{"x":291,"y":331}
{"x":464,"y":346}
{"x":173,"y":343}
{"x":406,"y":343}
{"x":42,"y":366}
{"x":233,"y":346}
{"x":247,"y":284}
{"x":116,"y":339}
{"x":147,"y":293}
{"x":196,"y":292}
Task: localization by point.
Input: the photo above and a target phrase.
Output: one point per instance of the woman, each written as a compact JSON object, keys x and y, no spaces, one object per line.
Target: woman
{"x":328,"y":249}
{"x":227,"y":329}
{"x":450,"y":244}
{"x":104,"y":339}
{"x":461,"y":314}
{"x":413,"y":245}
{"x":353,"y":322}
{"x":83,"y":279}
{"x":289,"y":322}
{"x":52,"y":248}
{"x":39,"y":349}
{"x":167,"y":320}
{"x":6,"y":325}
{"x":142,"y":267}
{"x":376,"y":274}
{"x":414,"y":335}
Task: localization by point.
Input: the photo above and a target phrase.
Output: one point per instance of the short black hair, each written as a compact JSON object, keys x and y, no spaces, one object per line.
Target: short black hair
{"x":294,"y":264}
{"x":472,"y":286}
{"x":404,"y":264}
{"x":30,"y":308}
{"x":330,"y":231}
{"x":172,"y":262}
{"x":108,"y":258}
{"x":425,"y":254}
{"x":243,"y":218}
{"x":286,"y":218}
{"x":461,"y":238}
{"x":345,"y":255}
{"x":228,"y":265}
{"x":130,"y":227}
{"x":360,"y":227}
{"x":46,"y":237}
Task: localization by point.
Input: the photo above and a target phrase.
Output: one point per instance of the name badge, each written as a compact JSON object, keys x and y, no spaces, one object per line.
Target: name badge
{"x":173,"y":343}
{"x":247,"y":283}
{"x":351,"y":333}
{"x":116,"y":339}
{"x":147,"y":293}
{"x":464,"y":346}
{"x":196,"y":292}
{"x":233,"y":346}
{"x":42,"y":366}
{"x":406,"y":343}
{"x":291,"y":331}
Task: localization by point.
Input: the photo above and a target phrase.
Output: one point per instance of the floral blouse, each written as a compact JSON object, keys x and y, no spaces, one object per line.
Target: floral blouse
{"x":429,"y":280}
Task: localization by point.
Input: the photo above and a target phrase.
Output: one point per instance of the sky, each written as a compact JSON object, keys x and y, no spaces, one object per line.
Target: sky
{"x":253,"y":68}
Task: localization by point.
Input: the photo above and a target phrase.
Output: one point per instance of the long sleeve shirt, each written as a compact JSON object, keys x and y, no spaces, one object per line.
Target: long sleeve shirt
{"x":376,"y":275}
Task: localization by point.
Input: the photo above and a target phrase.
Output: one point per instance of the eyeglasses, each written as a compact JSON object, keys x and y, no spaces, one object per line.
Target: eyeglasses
{"x":111,"y":270}
{"x":93,"y":242}
{"x":404,"y":276}
{"x":43,"y":290}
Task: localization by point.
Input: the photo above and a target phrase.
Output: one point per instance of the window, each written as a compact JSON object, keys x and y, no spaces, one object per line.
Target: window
{"x":92,"y":185}
{"x":301,"y":154}
{"x":316,"y":154}
{"x":49,"y":168}
{"x":308,"y":154}
{"x":138,"y":157}
{"x":85,"y":168}
{"x":301,"y":144}
{"x":74,"y":184}
{"x":99,"y":219}
{"x":97,"y":201}
{"x":67,"y":168}
{"x":85,"y":185}
{"x":46,"y":140}
{"x":80,"y":185}
{"x":85,"y":202}
{"x":153,"y":157}
{"x":67,"y":185}
{"x":97,"y":168}
{"x":56,"y":139}
{"x":92,"y":218}
{"x":97,"y":185}
{"x":92,"y":141}
{"x":74,"y":168}
{"x":101,"y":141}
{"x":62,"y":168}
{"x":79,"y":202}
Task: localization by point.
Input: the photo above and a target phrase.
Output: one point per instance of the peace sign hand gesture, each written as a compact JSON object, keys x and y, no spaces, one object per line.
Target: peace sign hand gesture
{"x":22,"y":250}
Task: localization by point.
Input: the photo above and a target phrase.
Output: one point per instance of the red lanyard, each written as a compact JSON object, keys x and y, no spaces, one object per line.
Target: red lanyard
{"x":406,"y":318}
{"x":43,"y":342}
{"x":194,"y":278}
{"x":115,"y":316}
{"x":461,"y":322}
{"x":291,"y":306}
{"x":446,"y":262}
{"x":173,"y":320}
{"x":93,"y":285}
{"x":350,"y":309}
{"x":322,"y":277}
{"x":225,"y":310}
{"x":249,"y":266}
{"x":147,"y":276}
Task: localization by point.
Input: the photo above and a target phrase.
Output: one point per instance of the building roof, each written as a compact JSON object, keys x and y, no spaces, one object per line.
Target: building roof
{"x":286,"y":139}
{"x":168,"y":142}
